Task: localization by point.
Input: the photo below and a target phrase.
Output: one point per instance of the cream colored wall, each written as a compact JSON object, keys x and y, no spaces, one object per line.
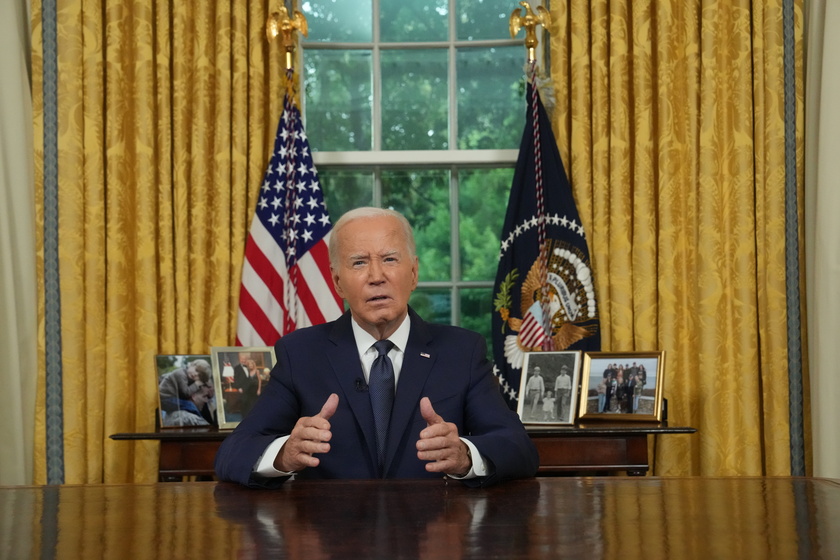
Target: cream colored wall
{"x":17,"y":249}
{"x":822,"y":186}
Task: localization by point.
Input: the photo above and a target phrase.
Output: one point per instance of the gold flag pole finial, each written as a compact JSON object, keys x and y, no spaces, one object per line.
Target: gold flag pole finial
{"x":279,"y":23}
{"x":529,"y":21}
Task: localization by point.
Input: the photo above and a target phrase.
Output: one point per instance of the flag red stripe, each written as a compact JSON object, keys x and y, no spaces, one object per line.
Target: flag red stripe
{"x":258,"y":319}
{"x":309,"y":302}
{"x":265,"y":270}
{"x":531,"y":333}
{"x":321,"y":254}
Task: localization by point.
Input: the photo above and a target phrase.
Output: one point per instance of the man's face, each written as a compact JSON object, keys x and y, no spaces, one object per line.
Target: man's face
{"x":375,"y":273}
{"x":202,"y":396}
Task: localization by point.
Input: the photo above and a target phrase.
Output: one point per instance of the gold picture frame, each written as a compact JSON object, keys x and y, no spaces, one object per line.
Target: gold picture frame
{"x":621,"y":386}
{"x":237,"y":386}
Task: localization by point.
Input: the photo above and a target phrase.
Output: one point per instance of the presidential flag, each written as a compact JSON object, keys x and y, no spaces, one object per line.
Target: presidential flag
{"x":286,"y":280}
{"x":544,"y":294}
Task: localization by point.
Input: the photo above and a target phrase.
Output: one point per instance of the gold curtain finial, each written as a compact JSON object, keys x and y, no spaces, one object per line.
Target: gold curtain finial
{"x":529,"y":21}
{"x":279,"y":23}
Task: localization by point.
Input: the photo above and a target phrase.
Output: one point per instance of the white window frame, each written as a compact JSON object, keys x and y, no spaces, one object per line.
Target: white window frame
{"x":452,"y":158}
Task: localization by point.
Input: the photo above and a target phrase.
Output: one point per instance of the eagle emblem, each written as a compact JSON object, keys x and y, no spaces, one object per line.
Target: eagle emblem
{"x":556,"y":304}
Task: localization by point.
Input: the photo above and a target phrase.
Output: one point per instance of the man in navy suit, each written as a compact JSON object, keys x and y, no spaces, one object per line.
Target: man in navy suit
{"x":315,"y":418}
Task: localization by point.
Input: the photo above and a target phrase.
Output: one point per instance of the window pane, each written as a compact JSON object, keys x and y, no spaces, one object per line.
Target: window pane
{"x":483,"y":203}
{"x":423,"y":198}
{"x":434,"y":305}
{"x":491,"y":100}
{"x":485,"y":19}
{"x":345,"y":190}
{"x":415,"y":107}
{"x":341,"y":22}
{"x":417,"y":20}
{"x":476,"y":307}
{"x":338,"y":97}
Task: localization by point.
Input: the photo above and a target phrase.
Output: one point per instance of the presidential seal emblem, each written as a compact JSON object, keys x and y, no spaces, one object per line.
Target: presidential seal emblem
{"x":556,"y":304}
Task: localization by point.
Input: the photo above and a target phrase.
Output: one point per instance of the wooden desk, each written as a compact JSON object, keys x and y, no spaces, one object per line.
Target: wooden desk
{"x":624,"y":518}
{"x":594,"y":448}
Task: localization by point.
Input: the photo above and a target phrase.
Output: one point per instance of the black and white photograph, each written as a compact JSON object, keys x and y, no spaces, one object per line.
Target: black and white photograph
{"x":622,"y":385}
{"x":548,"y":387}
{"x":241,"y":374}
{"x":186,"y":390}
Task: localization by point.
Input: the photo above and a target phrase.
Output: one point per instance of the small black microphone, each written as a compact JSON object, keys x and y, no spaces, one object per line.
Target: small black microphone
{"x":361,"y":386}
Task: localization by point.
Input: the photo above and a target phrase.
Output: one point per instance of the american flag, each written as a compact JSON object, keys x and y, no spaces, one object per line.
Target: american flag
{"x":286,"y":280}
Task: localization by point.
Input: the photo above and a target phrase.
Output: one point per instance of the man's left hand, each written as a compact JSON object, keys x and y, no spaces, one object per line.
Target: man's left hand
{"x":440,"y":444}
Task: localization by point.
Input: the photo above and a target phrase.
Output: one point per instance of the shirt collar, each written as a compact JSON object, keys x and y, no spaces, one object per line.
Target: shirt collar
{"x":364,"y":340}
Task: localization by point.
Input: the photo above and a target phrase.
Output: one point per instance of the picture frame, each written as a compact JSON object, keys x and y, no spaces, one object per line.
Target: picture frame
{"x":607,"y":392}
{"x":550,"y":401}
{"x":186,"y":393}
{"x":237,"y":384}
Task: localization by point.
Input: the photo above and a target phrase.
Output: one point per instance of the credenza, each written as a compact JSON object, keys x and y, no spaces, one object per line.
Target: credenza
{"x":593,"y":448}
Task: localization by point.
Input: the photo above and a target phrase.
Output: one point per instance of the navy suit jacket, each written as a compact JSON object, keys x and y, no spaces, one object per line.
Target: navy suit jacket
{"x":445,"y":363}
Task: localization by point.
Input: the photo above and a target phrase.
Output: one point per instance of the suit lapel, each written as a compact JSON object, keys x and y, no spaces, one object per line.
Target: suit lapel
{"x":348,"y":372}
{"x":416,"y":368}
{"x":418,"y":362}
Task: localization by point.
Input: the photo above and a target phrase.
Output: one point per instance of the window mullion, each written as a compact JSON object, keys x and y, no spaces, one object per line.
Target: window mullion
{"x":455,"y":243}
{"x":453,"y":77}
{"x":377,"y":186}
{"x":352,"y":166}
{"x":377,"y":82}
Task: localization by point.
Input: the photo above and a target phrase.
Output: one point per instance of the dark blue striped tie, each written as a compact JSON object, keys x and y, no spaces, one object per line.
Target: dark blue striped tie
{"x":382,"y":394}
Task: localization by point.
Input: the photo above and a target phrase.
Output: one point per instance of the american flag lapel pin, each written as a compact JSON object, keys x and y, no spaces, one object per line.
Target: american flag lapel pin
{"x":424,"y":355}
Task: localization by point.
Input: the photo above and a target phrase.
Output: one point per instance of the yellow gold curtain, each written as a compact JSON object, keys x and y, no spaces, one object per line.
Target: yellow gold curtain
{"x":671,"y":123}
{"x":165,"y":118}
{"x":670,"y":117}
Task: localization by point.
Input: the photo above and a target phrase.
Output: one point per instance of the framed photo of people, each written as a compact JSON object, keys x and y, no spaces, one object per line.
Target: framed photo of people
{"x":622,"y":385}
{"x":548,"y":388}
{"x":187,"y":397}
{"x":241,"y":373}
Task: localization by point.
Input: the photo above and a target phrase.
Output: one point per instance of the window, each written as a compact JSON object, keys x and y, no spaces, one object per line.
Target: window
{"x":418,"y":105}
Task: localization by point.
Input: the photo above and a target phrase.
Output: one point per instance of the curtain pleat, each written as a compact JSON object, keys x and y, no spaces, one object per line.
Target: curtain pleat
{"x":166,"y":112}
{"x":671,"y":120}
{"x":672,"y":117}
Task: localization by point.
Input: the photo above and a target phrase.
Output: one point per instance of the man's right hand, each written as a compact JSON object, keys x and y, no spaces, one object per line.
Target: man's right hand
{"x":310,"y":435}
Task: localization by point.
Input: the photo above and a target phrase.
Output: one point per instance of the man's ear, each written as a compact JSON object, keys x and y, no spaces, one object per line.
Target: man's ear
{"x":337,"y":283}
{"x":416,"y":269}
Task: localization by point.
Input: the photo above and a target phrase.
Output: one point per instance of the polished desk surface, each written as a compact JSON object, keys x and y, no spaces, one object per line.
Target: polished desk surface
{"x":624,"y":518}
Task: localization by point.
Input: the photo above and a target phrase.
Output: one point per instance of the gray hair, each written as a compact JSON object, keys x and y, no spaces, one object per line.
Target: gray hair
{"x":365,"y":212}
{"x":203,"y":368}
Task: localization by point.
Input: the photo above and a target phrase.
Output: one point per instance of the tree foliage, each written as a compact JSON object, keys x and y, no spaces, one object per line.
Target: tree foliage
{"x":417,"y":114}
